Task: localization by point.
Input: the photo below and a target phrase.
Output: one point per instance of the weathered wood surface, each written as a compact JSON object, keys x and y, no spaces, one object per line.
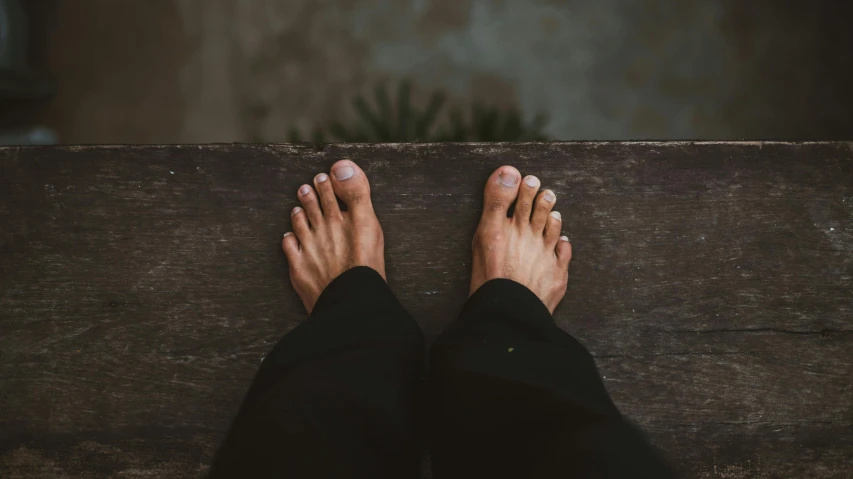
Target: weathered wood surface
{"x":141,"y":286}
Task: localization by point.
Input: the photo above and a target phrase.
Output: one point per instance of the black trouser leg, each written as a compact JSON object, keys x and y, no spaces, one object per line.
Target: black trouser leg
{"x":515,"y":396}
{"x":335,"y":397}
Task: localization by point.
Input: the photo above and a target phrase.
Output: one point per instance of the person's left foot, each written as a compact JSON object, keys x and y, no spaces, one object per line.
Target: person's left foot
{"x":327,"y":241}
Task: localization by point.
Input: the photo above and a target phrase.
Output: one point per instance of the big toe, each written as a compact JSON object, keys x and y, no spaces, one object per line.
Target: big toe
{"x":501,"y":191}
{"x":351,"y":186}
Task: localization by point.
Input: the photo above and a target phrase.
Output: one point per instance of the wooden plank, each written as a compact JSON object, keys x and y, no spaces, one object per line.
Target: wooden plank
{"x":142,"y":285}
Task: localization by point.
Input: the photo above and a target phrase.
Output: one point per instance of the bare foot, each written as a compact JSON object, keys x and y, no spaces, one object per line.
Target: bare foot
{"x":527,"y":247}
{"x":327,"y":241}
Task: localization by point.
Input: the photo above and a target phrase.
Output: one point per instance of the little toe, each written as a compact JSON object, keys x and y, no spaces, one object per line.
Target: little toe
{"x":290,"y":246}
{"x":552,"y":229}
{"x":328,"y":200}
{"x":524,"y":203}
{"x":500,"y":192}
{"x":350,"y":184}
{"x":564,"y":252}
{"x":309,"y":201}
{"x":542,"y":210}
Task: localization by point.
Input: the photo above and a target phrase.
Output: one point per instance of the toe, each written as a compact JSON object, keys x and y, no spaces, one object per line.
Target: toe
{"x":328,"y":200}
{"x":552,"y":229}
{"x":290,"y":246}
{"x":299,"y":221}
{"x":526,"y":197}
{"x":541,"y":211}
{"x":350,"y":184}
{"x":564,"y":252}
{"x":309,"y":201}
{"x":501,"y":191}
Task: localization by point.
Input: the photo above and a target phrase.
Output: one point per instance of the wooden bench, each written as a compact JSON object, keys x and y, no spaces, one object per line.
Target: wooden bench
{"x":142,"y":285}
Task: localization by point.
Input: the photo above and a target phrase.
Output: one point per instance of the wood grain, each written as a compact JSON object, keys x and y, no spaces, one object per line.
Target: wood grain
{"x":140,"y":286}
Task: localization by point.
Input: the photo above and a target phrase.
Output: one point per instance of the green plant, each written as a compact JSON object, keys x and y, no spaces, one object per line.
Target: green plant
{"x":404,"y":122}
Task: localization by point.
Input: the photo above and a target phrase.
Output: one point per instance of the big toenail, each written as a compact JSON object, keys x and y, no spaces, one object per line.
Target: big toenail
{"x":304,"y":190}
{"x":508,"y":179}
{"x":549,"y":197}
{"x":532,"y":181}
{"x":556,"y":215}
{"x":295,"y":210}
{"x":322,"y":177}
{"x":564,"y":238}
{"x":344,"y":172}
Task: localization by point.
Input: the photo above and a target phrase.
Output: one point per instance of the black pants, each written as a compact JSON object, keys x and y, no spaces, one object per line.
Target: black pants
{"x":508,"y":394}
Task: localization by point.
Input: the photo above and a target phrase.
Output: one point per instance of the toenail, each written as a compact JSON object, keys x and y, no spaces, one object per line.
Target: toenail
{"x":322,"y":177}
{"x":344,"y":172}
{"x":564,"y":238}
{"x":556,"y":215}
{"x":532,"y":181}
{"x":295,"y":210}
{"x":304,"y":190}
{"x":507,"y":178}
{"x":549,"y":197}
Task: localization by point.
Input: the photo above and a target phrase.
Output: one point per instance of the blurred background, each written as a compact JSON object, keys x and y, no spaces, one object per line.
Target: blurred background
{"x":197,"y":71}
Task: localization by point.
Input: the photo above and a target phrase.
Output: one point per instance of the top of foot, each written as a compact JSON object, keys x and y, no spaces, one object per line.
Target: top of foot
{"x":327,"y":241}
{"x":525,"y":247}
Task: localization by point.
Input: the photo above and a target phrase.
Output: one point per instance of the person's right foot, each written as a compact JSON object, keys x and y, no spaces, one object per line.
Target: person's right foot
{"x":527,"y":247}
